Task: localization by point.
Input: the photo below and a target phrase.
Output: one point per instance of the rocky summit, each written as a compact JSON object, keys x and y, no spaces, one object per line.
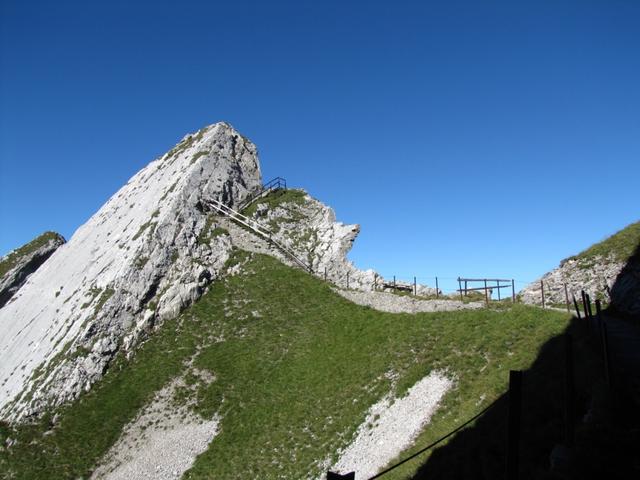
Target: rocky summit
{"x":137,"y":261}
{"x":150,"y":252}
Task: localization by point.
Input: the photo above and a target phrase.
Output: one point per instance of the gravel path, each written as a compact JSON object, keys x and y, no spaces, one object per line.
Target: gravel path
{"x":391,"y":426}
{"x":161,"y":443}
{"x":390,"y":302}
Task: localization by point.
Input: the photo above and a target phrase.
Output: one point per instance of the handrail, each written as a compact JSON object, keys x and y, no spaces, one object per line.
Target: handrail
{"x":273,"y":184}
{"x":257,"y":228}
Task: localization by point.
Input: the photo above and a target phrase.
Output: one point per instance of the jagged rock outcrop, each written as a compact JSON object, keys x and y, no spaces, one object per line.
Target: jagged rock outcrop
{"x":309,"y":228}
{"x":143,"y":257}
{"x":595,"y":276}
{"x":18,"y":265}
{"x":594,"y":270}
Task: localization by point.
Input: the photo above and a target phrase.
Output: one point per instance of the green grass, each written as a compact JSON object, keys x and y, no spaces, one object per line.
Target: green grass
{"x":11,"y":260}
{"x":297,"y":370}
{"x":275,"y":199}
{"x":620,"y":246}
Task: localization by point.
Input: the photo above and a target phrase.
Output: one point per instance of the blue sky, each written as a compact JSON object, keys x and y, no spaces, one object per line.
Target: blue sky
{"x":466,"y":138}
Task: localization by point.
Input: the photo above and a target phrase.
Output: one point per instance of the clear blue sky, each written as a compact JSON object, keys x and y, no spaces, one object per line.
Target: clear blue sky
{"x":467,"y":138}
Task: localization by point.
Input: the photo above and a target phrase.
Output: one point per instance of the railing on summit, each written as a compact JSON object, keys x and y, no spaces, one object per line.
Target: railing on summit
{"x":272,"y":185}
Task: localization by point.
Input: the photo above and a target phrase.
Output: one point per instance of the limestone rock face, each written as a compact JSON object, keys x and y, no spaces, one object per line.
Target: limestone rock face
{"x":595,"y":276}
{"x":18,"y":265}
{"x":142,"y":258}
{"x":309,"y":228}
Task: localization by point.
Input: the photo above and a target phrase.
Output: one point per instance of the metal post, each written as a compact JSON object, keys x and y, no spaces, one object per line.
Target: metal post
{"x":589,"y":307}
{"x":347,"y":280}
{"x":437,"y":289}
{"x":498,"y":285}
{"x":569,"y":391}
{"x":513,"y":423}
{"x":584,"y":305}
{"x":605,"y":344}
{"x":513,"y":290}
{"x":542,"y":292}
{"x":415,"y":286}
{"x":486,"y":293}
{"x":460,"y":288}
{"x":575,"y":304}
{"x":566,"y":298}
{"x":325,"y":274}
{"x":394,"y":283}
{"x":466,"y":293}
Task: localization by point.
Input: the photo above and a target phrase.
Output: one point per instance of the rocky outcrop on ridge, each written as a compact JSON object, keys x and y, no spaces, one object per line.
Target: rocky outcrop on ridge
{"x":309,"y":228}
{"x":18,"y":265}
{"x":142,"y":258}
{"x":595,"y":276}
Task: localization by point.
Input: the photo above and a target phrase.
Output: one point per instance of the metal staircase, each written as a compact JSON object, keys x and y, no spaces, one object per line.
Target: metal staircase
{"x":256,"y":228}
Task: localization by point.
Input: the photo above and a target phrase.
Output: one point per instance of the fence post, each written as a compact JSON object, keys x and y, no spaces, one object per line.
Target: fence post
{"x":498,"y":285}
{"x":486,"y":293}
{"x":394,"y":283}
{"x":513,"y":423}
{"x":460,"y":289}
{"x":375,"y":281}
{"x":415,"y":286}
{"x":569,"y":391}
{"x":584,"y":306}
{"x":347,"y":280}
{"x":542,"y":291}
{"x":566,"y":298}
{"x":605,"y":344}
{"x":575,"y":304}
{"x":513,"y":290}
{"x":437,"y":289}
{"x":589,"y":307}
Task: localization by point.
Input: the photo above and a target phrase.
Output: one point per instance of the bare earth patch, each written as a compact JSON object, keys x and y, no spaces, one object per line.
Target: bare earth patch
{"x":161,"y":443}
{"x":391,"y":427}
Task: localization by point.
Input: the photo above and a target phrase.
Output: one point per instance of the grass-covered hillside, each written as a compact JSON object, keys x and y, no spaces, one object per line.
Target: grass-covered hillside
{"x":296,"y":367}
{"x":619,"y":246}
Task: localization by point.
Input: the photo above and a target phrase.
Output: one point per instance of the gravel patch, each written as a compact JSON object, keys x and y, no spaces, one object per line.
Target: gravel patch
{"x":391,"y":426}
{"x":390,"y":302}
{"x":161,"y":443}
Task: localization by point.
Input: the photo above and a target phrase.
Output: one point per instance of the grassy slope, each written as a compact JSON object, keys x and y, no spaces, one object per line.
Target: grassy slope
{"x":10,"y":261}
{"x":620,"y":245}
{"x":293,"y":380}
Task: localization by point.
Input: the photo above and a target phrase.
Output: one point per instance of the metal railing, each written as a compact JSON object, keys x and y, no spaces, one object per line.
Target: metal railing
{"x":274,"y":184}
{"x":256,"y":228}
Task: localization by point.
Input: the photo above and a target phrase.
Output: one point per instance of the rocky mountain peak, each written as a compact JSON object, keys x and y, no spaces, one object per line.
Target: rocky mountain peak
{"x":140,"y":259}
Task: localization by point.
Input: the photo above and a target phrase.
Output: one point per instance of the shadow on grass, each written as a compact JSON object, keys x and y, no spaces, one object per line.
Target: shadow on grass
{"x":606,"y":431}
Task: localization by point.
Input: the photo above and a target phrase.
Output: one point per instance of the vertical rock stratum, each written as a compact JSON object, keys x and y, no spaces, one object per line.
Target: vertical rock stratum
{"x":144,"y":256}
